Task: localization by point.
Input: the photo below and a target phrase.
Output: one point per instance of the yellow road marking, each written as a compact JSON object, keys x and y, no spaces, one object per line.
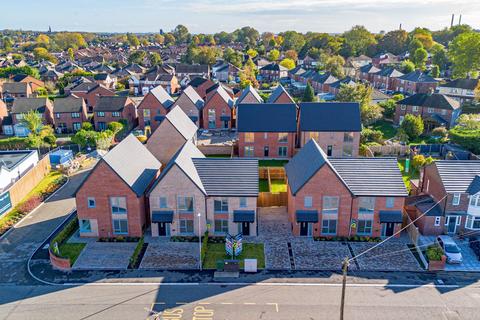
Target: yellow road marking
{"x":274,"y":304}
{"x":249,"y":303}
{"x":226,"y":303}
{"x":204,"y":303}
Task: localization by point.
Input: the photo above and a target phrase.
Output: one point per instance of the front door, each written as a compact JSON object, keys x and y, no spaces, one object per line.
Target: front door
{"x":389,"y":228}
{"x":265,"y":151}
{"x":246,"y":228}
{"x":452,"y":224}
{"x":329,"y":151}
{"x":162,"y":229}
{"x":304,"y":228}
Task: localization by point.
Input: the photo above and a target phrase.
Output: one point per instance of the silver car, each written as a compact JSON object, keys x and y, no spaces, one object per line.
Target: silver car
{"x":452,"y":251}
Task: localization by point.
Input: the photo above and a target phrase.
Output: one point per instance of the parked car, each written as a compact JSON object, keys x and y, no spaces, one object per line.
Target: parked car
{"x":452,"y":251}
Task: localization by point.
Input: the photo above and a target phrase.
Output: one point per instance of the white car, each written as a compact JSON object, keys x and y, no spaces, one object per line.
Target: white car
{"x":452,"y":251}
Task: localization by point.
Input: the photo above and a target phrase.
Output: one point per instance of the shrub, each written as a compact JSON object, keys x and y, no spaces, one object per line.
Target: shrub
{"x":412,"y":126}
{"x":370,"y":135}
{"x":440,"y":132}
{"x":136,"y":253}
{"x":467,"y":138}
{"x":434,"y":253}
{"x":30,"y":204}
{"x":63,"y":235}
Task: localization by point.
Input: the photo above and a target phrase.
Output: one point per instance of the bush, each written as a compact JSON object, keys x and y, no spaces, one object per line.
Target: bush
{"x":30,"y":204}
{"x":13,"y":143}
{"x":136,"y":253}
{"x":203,"y":254}
{"x":440,"y":132}
{"x":434,"y":253}
{"x":412,"y":126}
{"x":63,"y":235}
{"x":370,"y":135}
{"x":467,"y":138}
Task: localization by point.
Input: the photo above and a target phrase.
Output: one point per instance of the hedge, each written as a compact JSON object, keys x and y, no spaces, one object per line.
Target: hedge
{"x":136,"y":252}
{"x":13,"y":143}
{"x":64,"y":235}
{"x":468,"y":139}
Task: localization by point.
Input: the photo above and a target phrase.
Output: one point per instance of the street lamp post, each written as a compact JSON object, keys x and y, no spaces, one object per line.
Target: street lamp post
{"x":199,"y":241}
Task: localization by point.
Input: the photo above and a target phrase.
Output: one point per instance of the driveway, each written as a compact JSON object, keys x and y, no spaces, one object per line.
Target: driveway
{"x":319,"y":255}
{"x":163,"y":254}
{"x":105,"y":255}
{"x":17,"y":245}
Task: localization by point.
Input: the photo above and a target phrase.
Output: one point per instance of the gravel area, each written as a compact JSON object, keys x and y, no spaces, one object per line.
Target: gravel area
{"x":105,"y":255}
{"x":171,"y":256}
{"x":319,"y":255}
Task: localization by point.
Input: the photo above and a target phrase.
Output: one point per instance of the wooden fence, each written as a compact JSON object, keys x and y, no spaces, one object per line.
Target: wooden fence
{"x":275,"y":173}
{"x":268,"y":199}
{"x":414,"y":235}
{"x":389,"y":150}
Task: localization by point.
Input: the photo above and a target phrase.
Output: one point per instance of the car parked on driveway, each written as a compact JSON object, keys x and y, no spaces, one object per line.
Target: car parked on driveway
{"x":452,"y":251}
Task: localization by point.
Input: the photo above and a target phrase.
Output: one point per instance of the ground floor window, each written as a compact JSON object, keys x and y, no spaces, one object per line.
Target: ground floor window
{"x":365,"y":227}
{"x":249,"y":151}
{"x":329,"y":226}
{"x":8,"y":130}
{"x":347,"y":150}
{"x":186,"y":226}
{"x":282,"y":151}
{"x":77,"y":126}
{"x":85,"y":226}
{"x":120,"y":226}
{"x":221,"y":226}
{"x":472,"y":223}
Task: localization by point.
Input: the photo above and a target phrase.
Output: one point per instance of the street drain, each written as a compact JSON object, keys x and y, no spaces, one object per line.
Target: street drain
{"x":290,"y":254}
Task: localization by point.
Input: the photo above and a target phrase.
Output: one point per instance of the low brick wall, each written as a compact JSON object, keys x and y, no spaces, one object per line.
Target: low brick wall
{"x":59,"y":263}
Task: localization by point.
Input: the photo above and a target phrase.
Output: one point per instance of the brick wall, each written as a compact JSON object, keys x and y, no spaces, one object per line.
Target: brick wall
{"x":217,"y":103}
{"x":188,"y":107}
{"x":155,"y":107}
{"x":334,"y":139}
{"x":266,"y":139}
{"x":165,"y":142}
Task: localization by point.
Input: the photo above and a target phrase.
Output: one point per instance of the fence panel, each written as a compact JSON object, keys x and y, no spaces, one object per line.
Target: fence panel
{"x":268,"y":199}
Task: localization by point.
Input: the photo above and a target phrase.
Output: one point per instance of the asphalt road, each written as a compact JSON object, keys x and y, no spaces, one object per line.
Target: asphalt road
{"x":205,"y":302}
{"x":19,"y":243}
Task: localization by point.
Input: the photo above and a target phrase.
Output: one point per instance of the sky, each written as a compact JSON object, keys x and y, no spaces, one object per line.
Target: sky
{"x":210,"y":16}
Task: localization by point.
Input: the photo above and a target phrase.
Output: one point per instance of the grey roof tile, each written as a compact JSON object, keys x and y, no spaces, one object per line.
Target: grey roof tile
{"x":182,"y":122}
{"x":267,"y":117}
{"x":330,"y":116}
{"x":457,"y":175}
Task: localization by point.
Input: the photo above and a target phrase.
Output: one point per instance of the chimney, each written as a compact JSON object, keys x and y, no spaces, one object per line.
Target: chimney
{"x":453,"y":17}
{"x":460,"y":20}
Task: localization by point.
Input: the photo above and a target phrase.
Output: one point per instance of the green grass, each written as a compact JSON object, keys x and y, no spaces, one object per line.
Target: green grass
{"x":412,"y":174}
{"x":71,"y":251}
{"x":263,"y":185}
{"x":218,"y":156}
{"x":386,"y":127}
{"x":136,"y":252}
{"x":272,"y":163}
{"x":278,"y":186}
{"x":216,"y":251}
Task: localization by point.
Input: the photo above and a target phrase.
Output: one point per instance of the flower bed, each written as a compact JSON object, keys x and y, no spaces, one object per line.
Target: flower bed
{"x":51,"y":183}
{"x":349,"y":239}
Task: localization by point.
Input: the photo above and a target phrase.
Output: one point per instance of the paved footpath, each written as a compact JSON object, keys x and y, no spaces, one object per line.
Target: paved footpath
{"x":18,"y":244}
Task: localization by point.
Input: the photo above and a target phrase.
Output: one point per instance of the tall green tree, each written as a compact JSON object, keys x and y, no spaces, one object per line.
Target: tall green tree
{"x":412,"y":125}
{"x":362,"y":94}
{"x":273,"y":55}
{"x":357,"y":41}
{"x":181,"y":34}
{"x":394,"y":41}
{"x":308,"y":94}
{"x":464,"y":53}
{"x":155,"y":59}
{"x":420,"y":58}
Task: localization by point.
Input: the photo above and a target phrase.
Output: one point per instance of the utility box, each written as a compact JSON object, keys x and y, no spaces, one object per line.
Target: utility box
{"x":250,"y":265}
{"x":231,"y":266}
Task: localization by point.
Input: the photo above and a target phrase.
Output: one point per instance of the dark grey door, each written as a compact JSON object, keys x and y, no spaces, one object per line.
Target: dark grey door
{"x":162,"y":229}
{"x":389,"y":228}
{"x":304,"y":228}
{"x":265,"y":151}
{"x":329,"y":151}
{"x":246,"y":228}
{"x":452,"y":224}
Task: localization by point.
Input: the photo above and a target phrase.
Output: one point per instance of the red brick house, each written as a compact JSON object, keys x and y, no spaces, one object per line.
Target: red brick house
{"x":415,"y":82}
{"x":367,"y":72}
{"x":111,"y":200}
{"x":16,"y":90}
{"x":334,"y":87}
{"x":201,"y":85}
{"x":384,"y":59}
{"x":218,"y":110}
{"x":69,"y":112}
{"x":280,"y":95}
{"x":335,"y":126}
{"x":450,"y":198}
{"x":90,"y":92}
{"x":23,"y":105}
{"x":109,"y":109}
{"x":153,"y":108}
{"x":384,"y":79}
{"x":266,"y":130}
{"x":249,"y":95}
{"x":343,"y":196}
{"x":435,"y":109}
{"x":273,"y":72}
{"x":191,"y":103}
{"x":3,"y":114}
{"x":321,"y":82}
{"x":24,"y":78}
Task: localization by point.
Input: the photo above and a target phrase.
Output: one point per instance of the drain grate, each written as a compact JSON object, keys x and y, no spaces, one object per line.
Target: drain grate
{"x":290,"y":254}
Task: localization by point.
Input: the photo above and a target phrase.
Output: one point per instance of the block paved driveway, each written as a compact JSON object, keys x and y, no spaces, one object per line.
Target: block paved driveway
{"x":163,"y":254}
{"x":17,"y":245}
{"x":319,"y":255}
{"x":105,"y":255}
{"x":470,"y":260}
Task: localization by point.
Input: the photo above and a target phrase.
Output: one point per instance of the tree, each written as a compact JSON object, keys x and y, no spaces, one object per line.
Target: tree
{"x":418,"y":161}
{"x":425,"y":39}
{"x":87,"y":126}
{"x":234,"y":57}
{"x":137,"y":57}
{"x":160,"y":39}
{"x":439,"y":56}
{"x":287,"y":63}
{"x":43,"y":41}
{"x":7,"y":43}
{"x":362,"y":94}
{"x":273,"y":55}
{"x":155,"y":59}
{"x":357,"y":41}
{"x":467,"y":132}
{"x":70,"y":54}
{"x":308,"y":94}
{"x":32,"y":120}
{"x":334,"y":65}
{"x":133,"y":40}
{"x":43,"y":54}
{"x":246,"y":35}
{"x":388,"y":107}
{"x":252,"y":53}
{"x":39,"y":134}
{"x":292,"y":40}
{"x":420,"y":58}
{"x":267,"y":37}
{"x":435,"y":72}
{"x":115,"y":127}
{"x":407,"y":66}
{"x":412,"y":126}
{"x":169,"y":39}
{"x":291,"y":54}
{"x":248,"y":76}
{"x":369,"y":135}
{"x":181,"y":34}
{"x":394,"y":41}
{"x":464,"y":53}
{"x":65,"y":40}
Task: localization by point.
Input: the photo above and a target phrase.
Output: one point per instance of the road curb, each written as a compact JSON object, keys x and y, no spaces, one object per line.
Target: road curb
{"x":35,"y":209}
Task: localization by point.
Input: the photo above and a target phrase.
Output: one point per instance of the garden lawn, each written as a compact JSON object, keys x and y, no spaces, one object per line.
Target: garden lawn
{"x":272,"y":163}
{"x":216,"y":251}
{"x":71,"y":251}
{"x":387,"y":128}
{"x":278,"y":186}
{"x":263,"y":185}
{"x":407,"y":176}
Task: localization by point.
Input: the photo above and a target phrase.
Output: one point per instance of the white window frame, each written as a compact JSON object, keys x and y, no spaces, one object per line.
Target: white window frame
{"x":163,"y":202}
{"x":430,"y":110}
{"x":438,"y":221}
{"x":116,"y":202}
{"x":81,"y":224}
{"x":456,"y":199}
{"x":243,"y":202}
{"x":414,"y":108}
{"x":389,"y":205}
{"x":119,"y":221}
{"x":94,"y":202}
{"x":308,"y":201}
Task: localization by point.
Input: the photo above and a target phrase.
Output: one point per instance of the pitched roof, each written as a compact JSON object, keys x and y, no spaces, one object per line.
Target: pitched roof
{"x":469,"y":84}
{"x":223,"y":94}
{"x":249,"y":90}
{"x":110,"y":103}
{"x":389,"y":72}
{"x":24,"y":105}
{"x":228,"y":177}
{"x":324,"y":78}
{"x":330,"y":116}
{"x":434,"y":100}
{"x":132,"y":161}
{"x":198,"y":81}
{"x":362,"y":176}
{"x":457,"y":175}
{"x":266,"y":117}
{"x":474,"y":186}
{"x":162,"y":96}
{"x":15,"y":87}
{"x":369,"y":68}
{"x":68,"y":104}
{"x":345,"y":81}
{"x":194,"y":97}
{"x":425,"y":204}
{"x":182,"y":122}
{"x":417,"y":76}
{"x":277,"y":92}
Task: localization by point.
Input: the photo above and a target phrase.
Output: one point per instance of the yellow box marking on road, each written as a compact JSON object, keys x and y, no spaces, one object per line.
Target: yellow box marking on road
{"x":274,"y":304}
{"x":202,"y":313}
